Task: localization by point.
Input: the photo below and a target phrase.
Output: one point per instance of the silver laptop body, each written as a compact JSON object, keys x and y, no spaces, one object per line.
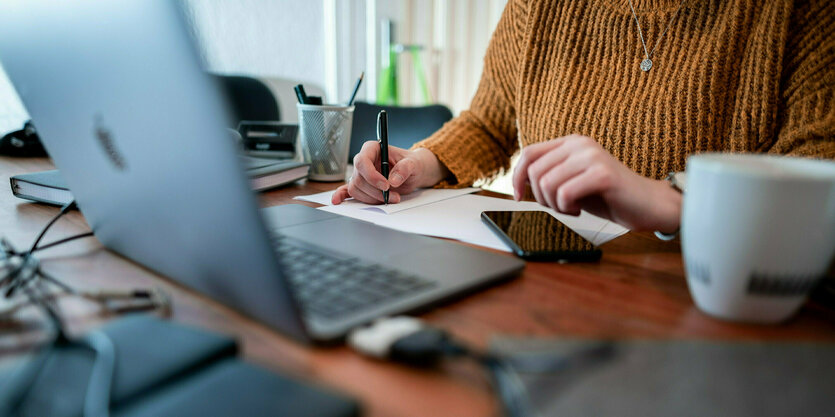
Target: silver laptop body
{"x":117,"y":92}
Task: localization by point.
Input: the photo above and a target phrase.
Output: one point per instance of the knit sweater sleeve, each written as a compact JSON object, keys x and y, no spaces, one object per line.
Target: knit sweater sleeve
{"x":480,"y":141}
{"x":806,"y":118}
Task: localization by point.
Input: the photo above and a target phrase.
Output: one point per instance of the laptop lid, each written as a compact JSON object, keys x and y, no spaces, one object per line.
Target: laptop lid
{"x":137,"y":129}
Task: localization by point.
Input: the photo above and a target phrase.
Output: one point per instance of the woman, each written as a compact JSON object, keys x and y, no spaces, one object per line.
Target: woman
{"x":606,"y":97}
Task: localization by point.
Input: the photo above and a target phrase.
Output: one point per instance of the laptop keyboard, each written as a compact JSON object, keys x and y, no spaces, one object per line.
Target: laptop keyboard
{"x":329,"y":285}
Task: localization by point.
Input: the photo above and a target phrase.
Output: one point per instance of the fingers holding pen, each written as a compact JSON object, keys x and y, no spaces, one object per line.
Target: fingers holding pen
{"x":354,"y":190}
{"x":363,"y":188}
{"x":365,"y":166}
{"x":405,"y":169}
{"x":363,"y":192}
{"x":367,"y":184}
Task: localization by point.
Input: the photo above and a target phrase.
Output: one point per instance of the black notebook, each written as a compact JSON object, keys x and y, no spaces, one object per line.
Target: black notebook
{"x":165,"y":369}
{"x":49,"y":187}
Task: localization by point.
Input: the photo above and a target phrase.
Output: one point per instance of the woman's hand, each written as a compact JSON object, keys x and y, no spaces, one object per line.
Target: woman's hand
{"x":410,"y":170}
{"x":574,"y":172}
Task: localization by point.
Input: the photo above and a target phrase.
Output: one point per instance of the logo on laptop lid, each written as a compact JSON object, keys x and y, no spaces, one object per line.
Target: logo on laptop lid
{"x":108,"y":145}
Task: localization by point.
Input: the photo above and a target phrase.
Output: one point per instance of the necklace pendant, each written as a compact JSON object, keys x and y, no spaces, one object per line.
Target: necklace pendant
{"x":646,"y":65}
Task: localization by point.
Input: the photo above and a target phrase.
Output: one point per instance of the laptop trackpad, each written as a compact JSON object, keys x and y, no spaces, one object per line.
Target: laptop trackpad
{"x":358,"y":238}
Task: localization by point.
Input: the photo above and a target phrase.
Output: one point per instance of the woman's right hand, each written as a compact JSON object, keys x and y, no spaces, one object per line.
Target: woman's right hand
{"x":410,"y":170}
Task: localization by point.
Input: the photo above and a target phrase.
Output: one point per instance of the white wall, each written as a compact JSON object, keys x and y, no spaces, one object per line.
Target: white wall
{"x":12,"y":113}
{"x":329,"y":42}
{"x":345,"y":49}
{"x":274,"y":38}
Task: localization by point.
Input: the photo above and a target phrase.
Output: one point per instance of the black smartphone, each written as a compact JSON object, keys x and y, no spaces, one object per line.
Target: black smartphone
{"x":538,"y":236}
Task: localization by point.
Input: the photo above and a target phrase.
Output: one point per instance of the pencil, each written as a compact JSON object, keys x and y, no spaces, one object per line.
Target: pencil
{"x":356,"y":88}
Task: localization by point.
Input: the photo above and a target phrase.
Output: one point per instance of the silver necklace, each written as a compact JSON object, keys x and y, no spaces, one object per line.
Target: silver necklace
{"x":646,"y":64}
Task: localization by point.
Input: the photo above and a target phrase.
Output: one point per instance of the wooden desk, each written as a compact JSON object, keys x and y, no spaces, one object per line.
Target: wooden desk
{"x":637,"y":290}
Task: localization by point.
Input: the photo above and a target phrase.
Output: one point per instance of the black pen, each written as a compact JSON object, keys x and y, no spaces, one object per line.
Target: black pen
{"x":383,"y":138}
{"x":300,"y":94}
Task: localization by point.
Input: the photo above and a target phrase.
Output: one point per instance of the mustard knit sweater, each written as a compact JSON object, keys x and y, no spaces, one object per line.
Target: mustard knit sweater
{"x":729,"y":75}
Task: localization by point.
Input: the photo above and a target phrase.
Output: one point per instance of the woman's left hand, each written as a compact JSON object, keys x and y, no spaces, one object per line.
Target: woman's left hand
{"x":574,"y":173}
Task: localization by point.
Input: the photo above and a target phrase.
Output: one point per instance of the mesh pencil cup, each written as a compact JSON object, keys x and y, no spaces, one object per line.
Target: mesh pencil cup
{"x":325,"y":136}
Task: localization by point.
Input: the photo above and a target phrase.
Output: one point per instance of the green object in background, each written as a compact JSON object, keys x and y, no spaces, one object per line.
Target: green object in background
{"x":421,"y":76}
{"x":387,"y":87}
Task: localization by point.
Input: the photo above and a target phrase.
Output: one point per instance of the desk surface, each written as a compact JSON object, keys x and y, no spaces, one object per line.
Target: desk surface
{"x":637,"y":290}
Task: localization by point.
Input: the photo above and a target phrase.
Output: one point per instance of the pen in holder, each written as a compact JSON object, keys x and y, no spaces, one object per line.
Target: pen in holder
{"x":325,"y":136}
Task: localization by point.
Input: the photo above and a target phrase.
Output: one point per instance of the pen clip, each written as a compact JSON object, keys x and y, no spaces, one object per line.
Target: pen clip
{"x":379,"y":135}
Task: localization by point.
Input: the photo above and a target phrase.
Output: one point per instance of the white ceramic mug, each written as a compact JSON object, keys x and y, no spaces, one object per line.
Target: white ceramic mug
{"x":758,"y":232}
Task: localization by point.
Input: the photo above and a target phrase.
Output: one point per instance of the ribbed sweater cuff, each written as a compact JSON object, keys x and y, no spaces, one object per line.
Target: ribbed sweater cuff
{"x":466,"y":151}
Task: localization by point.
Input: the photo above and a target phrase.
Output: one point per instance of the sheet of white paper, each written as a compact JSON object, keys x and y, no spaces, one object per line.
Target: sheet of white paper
{"x":415,"y":199}
{"x":460,"y":218}
{"x":610,"y":231}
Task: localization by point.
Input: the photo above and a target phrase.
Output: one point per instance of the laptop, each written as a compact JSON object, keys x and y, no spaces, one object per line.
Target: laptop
{"x":137,"y":129}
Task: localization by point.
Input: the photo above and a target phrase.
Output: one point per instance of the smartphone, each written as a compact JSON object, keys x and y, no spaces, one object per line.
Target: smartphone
{"x":538,"y":236}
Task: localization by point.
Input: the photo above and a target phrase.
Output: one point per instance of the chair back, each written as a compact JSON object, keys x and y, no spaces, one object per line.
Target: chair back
{"x":249,"y":99}
{"x":407,"y":125}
